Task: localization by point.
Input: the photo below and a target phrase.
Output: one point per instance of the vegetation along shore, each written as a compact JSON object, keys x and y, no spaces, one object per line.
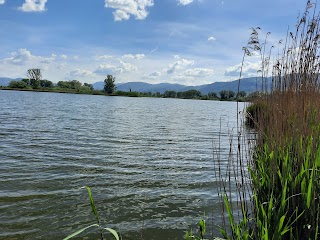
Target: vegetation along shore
{"x":277,"y":167}
{"x":35,"y":83}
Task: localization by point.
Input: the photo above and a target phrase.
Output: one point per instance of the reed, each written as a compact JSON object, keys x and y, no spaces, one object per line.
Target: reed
{"x":277,"y":173}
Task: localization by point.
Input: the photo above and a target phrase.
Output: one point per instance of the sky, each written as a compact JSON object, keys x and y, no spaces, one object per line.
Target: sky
{"x":190,"y":42}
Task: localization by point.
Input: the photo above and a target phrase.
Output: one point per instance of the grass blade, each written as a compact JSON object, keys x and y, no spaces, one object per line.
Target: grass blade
{"x":80,"y":231}
{"x":114,"y":233}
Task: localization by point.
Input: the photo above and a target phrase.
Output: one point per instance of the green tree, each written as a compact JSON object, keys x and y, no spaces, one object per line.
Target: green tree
{"x":190,"y":94}
{"x":242,"y":94}
{"x":46,"y":84}
{"x":226,"y":95}
{"x":26,"y":80}
{"x":109,"y":84}
{"x":88,"y":85}
{"x":170,"y":94}
{"x":75,"y":84}
{"x":212,"y":95}
{"x":17,"y":84}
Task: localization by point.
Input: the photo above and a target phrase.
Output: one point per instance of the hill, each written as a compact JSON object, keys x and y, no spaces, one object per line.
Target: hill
{"x":4,"y":81}
{"x":246,"y":84}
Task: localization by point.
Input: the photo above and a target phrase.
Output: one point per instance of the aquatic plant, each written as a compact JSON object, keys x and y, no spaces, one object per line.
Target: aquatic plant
{"x":276,"y":169}
{"x":96,"y":225}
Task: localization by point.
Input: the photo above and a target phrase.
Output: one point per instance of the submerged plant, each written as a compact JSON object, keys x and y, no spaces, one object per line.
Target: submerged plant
{"x":97,"y":225}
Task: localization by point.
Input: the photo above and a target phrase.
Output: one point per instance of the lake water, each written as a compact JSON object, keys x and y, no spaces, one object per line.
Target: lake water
{"x":148,"y":161}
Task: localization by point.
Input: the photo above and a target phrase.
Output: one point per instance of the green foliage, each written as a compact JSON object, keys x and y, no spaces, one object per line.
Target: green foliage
{"x":17,"y":84}
{"x":241,"y":94}
{"x":202,"y":230}
{"x":213,"y":95}
{"x":226,"y":95}
{"x":127,"y":94}
{"x":170,"y":94}
{"x":73,"y":84}
{"x":95,"y":213}
{"x":254,"y":111}
{"x":89,"y":86}
{"x":109,"y":84}
{"x":46,"y":84}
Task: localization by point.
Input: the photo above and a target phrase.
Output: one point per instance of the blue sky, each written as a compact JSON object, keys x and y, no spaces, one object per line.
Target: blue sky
{"x":190,"y":42}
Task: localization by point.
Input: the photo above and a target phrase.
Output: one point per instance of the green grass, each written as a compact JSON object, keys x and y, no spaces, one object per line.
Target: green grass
{"x":95,"y":225}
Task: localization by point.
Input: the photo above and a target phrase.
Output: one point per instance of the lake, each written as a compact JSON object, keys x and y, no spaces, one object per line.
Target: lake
{"x":148,"y":161}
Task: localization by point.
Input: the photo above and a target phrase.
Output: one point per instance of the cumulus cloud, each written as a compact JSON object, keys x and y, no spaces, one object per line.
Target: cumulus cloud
{"x":102,"y":57}
{"x":198,"y":72}
{"x":63,"y":56}
{"x":123,"y":67}
{"x":184,"y":2}
{"x":80,"y":73}
{"x":2,"y":1}
{"x":125,"y":8}
{"x":23,"y":56}
{"x":105,"y":69}
{"x":212,"y":38}
{"x":20,"y":57}
{"x":179,"y":64}
{"x":33,"y":6}
{"x":127,"y":67}
{"x":47,"y":60}
{"x":137,"y":56}
{"x":249,"y":69}
{"x":153,"y":75}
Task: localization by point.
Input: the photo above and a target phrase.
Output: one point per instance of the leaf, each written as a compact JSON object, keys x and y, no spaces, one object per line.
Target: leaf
{"x":114,"y":233}
{"x":80,"y":231}
{"x":281,"y":222}
{"x":309,"y":189}
{"x":202,"y":226}
{"x":223,"y":232}
{"x":93,"y":207}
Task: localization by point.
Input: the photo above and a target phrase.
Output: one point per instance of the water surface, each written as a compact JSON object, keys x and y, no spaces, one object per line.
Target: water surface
{"x":149,"y":163}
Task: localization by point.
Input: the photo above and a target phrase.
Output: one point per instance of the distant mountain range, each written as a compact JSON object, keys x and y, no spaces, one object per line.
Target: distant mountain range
{"x":246,"y":84}
{"x":5,"y":81}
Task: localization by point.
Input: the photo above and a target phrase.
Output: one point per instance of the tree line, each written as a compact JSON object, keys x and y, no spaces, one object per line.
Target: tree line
{"x":34,"y":81}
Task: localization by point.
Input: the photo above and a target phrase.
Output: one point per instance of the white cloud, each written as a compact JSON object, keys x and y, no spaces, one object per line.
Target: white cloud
{"x":212,"y":38}
{"x":63,"y":56}
{"x":125,"y":8}
{"x":80,"y":73}
{"x":249,"y":69}
{"x":47,"y":60}
{"x":2,"y":1}
{"x":198,"y":72}
{"x":137,"y":56}
{"x":127,"y":67}
{"x":33,"y":6}
{"x":20,"y":57}
{"x":102,"y":57}
{"x":178,"y":65}
{"x":184,"y":2}
{"x":123,"y":67}
{"x":105,"y":69}
{"x":23,"y":57}
{"x":153,"y":75}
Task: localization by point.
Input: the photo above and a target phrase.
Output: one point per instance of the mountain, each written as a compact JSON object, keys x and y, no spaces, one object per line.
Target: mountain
{"x":246,"y":84}
{"x":5,"y":81}
{"x":147,"y":87}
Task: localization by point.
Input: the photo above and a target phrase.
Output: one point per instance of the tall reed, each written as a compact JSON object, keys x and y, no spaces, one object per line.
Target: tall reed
{"x":277,"y":181}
